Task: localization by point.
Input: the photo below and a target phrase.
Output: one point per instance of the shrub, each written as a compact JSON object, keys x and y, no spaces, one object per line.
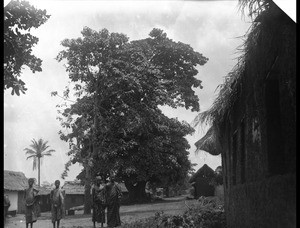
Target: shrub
{"x":207,"y":213}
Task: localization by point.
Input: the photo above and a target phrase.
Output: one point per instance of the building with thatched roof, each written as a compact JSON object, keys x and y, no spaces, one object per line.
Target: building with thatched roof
{"x":14,"y":185}
{"x":254,"y":122}
{"x":201,"y":182}
{"x":44,"y":198}
{"x":74,"y":194}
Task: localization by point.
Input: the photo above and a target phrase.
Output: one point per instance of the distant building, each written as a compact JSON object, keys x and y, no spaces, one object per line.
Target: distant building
{"x":44,"y":198}
{"x":201,"y":182}
{"x":14,"y":185}
{"x":74,"y":194}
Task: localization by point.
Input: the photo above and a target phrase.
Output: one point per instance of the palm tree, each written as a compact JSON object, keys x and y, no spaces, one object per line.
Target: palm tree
{"x":37,"y":151}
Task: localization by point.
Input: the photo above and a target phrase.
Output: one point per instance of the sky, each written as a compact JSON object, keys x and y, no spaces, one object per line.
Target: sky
{"x":213,"y":28}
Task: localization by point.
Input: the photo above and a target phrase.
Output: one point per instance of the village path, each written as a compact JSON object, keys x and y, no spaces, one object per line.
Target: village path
{"x":130,"y":213}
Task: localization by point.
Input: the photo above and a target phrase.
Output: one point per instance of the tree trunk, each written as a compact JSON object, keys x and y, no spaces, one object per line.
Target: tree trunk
{"x":39,"y":171}
{"x":87,"y":191}
{"x":136,"y":192}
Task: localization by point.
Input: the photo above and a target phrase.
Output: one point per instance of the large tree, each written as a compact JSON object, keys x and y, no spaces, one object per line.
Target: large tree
{"x":19,"y":18}
{"x":38,"y":150}
{"x":120,"y":85}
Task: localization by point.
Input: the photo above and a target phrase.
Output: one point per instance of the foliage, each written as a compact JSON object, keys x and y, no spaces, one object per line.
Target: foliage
{"x":38,"y":150}
{"x":19,"y":18}
{"x":116,"y":125}
{"x":205,"y":214}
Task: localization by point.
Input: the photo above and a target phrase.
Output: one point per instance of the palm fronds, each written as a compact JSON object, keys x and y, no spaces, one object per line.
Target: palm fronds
{"x":37,"y":151}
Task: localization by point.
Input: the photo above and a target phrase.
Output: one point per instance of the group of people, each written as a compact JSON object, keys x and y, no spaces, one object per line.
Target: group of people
{"x":105,"y":195}
{"x":31,"y":199}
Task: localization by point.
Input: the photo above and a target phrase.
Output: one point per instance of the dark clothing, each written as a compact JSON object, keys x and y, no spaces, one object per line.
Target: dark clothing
{"x":113,"y":205}
{"x":57,"y":205}
{"x":31,"y":205}
{"x":99,"y":204}
{"x":6,"y":206}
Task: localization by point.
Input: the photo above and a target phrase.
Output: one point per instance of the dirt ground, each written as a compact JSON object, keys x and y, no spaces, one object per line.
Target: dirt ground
{"x":128,"y":214}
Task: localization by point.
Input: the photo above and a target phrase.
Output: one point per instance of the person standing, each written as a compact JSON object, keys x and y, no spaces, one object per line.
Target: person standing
{"x":99,"y":202}
{"x":57,"y":204}
{"x":114,"y":195}
{"x":6,"y":206}
{"x":31,"y":203}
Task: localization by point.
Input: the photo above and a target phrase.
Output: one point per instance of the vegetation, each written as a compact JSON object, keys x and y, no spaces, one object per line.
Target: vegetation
{"x":116,"y":125}
{"x":38,"y":150}
{"x":19,"y":18}
{"x":204,"y":214}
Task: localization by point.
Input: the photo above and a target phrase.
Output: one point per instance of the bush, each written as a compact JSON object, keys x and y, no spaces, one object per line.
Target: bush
{"x":207,"y":213}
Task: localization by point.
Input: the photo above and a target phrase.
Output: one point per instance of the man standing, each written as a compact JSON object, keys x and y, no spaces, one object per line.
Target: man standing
{"x":31,"y":203}
{"x":57,"y":204}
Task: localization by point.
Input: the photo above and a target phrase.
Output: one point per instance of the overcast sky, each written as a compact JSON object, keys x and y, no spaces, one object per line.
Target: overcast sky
{"x":210,"y":27}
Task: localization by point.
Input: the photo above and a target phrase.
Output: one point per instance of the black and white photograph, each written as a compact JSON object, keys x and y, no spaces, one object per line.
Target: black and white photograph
{"x":149,"y":114}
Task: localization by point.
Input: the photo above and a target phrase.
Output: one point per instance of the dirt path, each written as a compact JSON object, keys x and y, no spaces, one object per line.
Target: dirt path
{"x":128,"y":214}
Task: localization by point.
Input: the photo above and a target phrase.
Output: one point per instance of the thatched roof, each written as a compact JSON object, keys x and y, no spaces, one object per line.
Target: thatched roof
{"x":15,"y":181}
{"x":43,"y":190}
{"x":261,"y":11}
{"x":208,"y":143}
{"x":73,"y":188}
{"x":204,"y":171}
{"x":76,"y":188}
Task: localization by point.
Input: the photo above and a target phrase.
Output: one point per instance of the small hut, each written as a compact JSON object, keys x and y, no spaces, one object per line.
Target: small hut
{"x":201,"y":182}
{"x":44,"y":198}
{"x":14,"y":185}
{"x":74,"y":194}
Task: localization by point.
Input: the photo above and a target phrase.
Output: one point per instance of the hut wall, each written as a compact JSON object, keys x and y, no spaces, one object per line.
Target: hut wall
{"x":259,"y":134}
{"x":202,"y":188}
{"x":21,"y":204}
{"x":73,"y":200}
{"x":45,"y":204}
{"x":13,"y":198}
{"x":267,"y":203}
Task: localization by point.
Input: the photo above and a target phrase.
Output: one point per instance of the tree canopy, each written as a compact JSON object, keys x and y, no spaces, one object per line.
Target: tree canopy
{"x":19,"y":18}
{"x":116,"y":123}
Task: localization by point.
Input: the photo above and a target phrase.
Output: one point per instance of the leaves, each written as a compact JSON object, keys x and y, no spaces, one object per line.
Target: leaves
{"x":19,"y":18}
{"x":115,"y":121}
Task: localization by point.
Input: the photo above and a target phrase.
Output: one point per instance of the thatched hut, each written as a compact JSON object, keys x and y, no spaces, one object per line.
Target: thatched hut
{"x":14,"y":185}
{"x":254,"y":119}
{"x":201,"y":182}
{"x":74,"y":194}
{"x":44,"y":198}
